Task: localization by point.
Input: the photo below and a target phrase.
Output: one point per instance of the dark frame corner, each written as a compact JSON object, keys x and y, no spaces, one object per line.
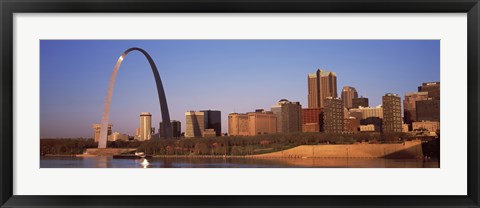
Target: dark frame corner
{"x":9,"y":7}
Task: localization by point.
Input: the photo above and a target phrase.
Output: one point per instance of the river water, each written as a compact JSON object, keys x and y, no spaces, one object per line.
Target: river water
{"x":109,"y":162}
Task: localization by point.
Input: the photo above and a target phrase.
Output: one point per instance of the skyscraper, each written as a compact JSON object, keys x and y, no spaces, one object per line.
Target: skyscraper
{"x":428,"y":110}
{"x":321,"y":85}
{"x":409,"y":106}
{"x":348,"y":94}
{"x":289,"y":116}
{"x":433,"y":89}
{"x":145,"y":132}
{"x":361,"y":101}
{"x":194,"y":124}
{"x":333,"y":115}
{"x":213,"y":120}
{"x":392,"y":113}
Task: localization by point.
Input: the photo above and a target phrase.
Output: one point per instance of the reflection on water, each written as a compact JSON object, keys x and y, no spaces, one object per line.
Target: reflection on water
{"x":109,"y":162}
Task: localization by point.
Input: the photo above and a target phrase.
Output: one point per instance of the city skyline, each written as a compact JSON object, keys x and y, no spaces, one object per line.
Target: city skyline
{"x":211,"y":77}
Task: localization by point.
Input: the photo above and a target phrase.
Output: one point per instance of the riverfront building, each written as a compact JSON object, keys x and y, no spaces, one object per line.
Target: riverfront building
{"x":392,"y":113}
{"x":361,"y":101}
{"x":333,"y":115}
{"x":321,"y":85}
{"x":96,"y":131}
{"x":428,"y":110}
{"x":369,"y":128}
{"x":117,"y":136}
{"x":433,"y":89}
{"x":238,"y":124}
{"x":348,"y":94}
{"x":312,"y":119}
{"x":213,"y":120}
{"x":409,"y":106}
{"x":145,"y":130}
{"x":252,"y":123}
{"x":194,"y":124}
{"x":352,"y":125}
{"x":176,"y":129}
{"x":262,"y":122}
{"x":368,"y":115}
{"x":289,"y":116}
{"x":430,"y":126}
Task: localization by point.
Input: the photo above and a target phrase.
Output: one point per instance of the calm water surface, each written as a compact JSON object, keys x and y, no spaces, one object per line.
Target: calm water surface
{"x":109,"y":162}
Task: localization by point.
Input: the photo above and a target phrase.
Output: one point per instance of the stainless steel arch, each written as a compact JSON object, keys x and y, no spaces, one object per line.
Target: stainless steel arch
{"x":161,"y":96}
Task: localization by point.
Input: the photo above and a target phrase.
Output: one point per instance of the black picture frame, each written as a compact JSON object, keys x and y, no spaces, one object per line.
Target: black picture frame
{"x":9,"y":7}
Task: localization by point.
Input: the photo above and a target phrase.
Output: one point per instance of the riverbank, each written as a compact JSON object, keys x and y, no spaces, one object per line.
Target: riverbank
{"x":405,"y":150}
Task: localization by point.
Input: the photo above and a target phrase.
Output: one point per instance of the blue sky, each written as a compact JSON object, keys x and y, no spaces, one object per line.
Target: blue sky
{"x":225,"y":75}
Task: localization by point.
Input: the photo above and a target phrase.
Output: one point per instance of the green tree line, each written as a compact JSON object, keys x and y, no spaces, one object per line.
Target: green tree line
{"x":226,"y":145}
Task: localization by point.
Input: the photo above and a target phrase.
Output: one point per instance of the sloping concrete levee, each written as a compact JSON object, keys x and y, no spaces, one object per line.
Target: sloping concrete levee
{"x":108,"y":151}
{"x":408,"y":149}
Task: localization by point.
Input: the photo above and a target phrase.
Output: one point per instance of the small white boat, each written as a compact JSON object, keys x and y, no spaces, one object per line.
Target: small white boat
{"x":145,"y":162}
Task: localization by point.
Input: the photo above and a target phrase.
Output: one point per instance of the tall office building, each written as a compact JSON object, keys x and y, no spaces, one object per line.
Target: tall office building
{"x":213,"y":120}
{"x":428,"y":110}
{"x":409,"y":106}
{"x":312,"y":119}
{"x":194,"y":124}
{"x":96,"y":131}
{"x":176,"y":129}
{"x":433,"y":89}
{"x":321,"y":85}
{"x":333,"y":115}
{"x":348,"y":94}
{"x":289,"y":116}
{"x":392,"y":113}
{"x":361,"y":101}
{"x":145,"y":131}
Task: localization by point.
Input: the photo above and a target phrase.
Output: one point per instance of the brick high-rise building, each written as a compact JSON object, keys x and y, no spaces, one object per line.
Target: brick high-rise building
{"x":333,"y":115}
{"x":361,"y":101}
{"x":428,"y":110}
{"x":409,"y":106}
{"x":392,"y":113}
{"x":321,"y":85}
{"x":289,"y":116}
{"x":348,"y":94}
{"x":433,"y":89}
{"x":312,"y":119}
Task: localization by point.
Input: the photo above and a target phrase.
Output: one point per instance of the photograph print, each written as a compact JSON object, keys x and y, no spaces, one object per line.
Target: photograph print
{"x":239,"y":104}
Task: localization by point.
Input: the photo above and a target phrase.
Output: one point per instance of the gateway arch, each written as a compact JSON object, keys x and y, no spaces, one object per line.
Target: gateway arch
{"x":161,"y":97}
